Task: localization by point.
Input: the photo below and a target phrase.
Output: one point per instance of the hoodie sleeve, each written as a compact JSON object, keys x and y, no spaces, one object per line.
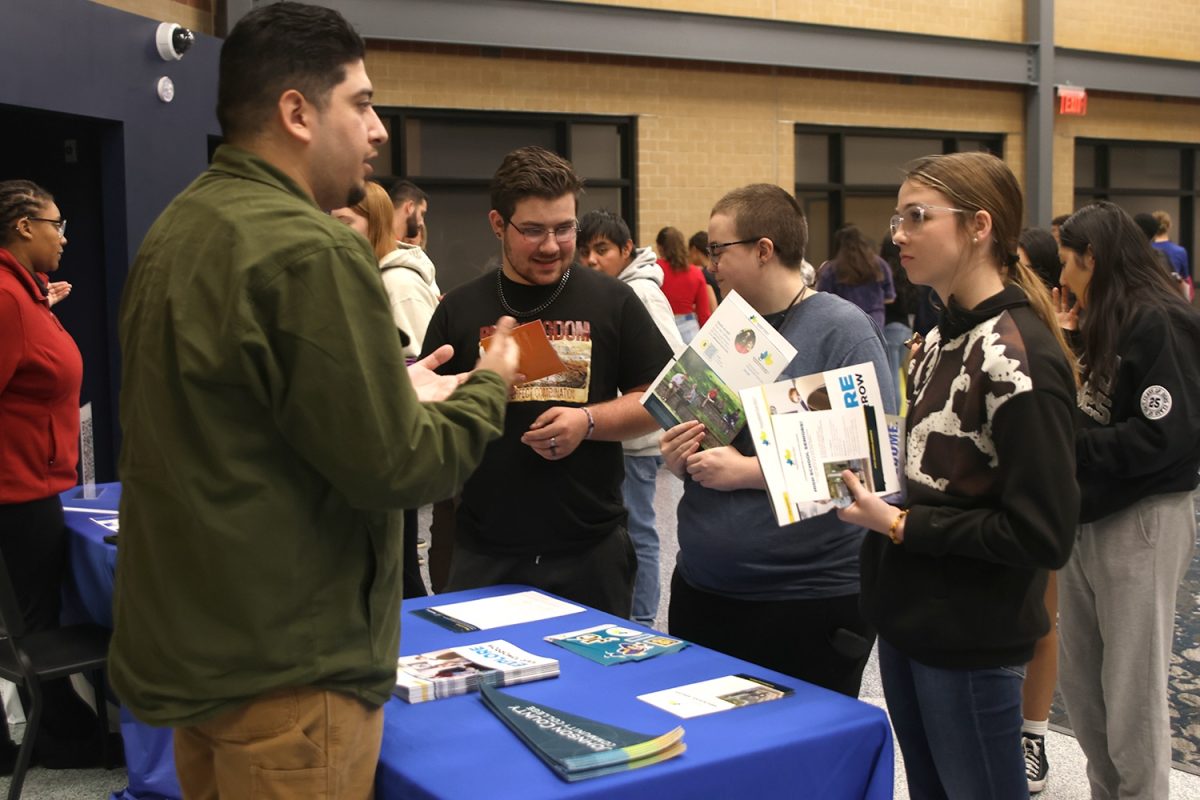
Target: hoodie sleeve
{"x":1159,"y":381}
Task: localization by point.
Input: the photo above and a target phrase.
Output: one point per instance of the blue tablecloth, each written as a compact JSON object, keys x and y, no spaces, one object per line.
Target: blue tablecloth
{"x":811,"y":744}
{"x":87,"y":597}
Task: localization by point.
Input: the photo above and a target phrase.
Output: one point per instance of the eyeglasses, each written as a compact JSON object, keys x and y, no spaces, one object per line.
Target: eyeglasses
{"x":61,"y":224}
{"x":913,"y":217}
{"x":536,"y":234}
{"x":714,"y":248}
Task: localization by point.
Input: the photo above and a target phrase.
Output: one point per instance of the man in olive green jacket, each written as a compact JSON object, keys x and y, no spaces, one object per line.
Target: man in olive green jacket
{"x":269,"y":427}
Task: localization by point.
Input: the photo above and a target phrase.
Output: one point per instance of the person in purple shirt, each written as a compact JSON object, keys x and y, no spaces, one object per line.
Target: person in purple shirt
{"x":856,"y":274}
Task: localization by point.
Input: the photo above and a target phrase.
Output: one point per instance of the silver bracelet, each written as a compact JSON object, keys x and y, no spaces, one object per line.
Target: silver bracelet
{"x":591,"y":422}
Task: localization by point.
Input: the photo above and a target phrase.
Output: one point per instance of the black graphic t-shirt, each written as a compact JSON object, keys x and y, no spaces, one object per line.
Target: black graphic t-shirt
{"x":518,"y":503}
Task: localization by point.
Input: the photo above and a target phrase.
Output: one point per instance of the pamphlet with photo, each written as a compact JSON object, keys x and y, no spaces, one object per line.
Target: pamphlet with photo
{"x":718,"y":694}
{"x":736,"y":349}
{"x":808,"y":430}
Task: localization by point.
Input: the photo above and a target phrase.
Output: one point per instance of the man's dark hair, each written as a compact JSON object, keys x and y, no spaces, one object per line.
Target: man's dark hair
{"x":1060,"y":219}
{"x":699,"y":241}
{"x":1147,"y":223}
{"x":532,"y":172}
{"x":603,"y":224}
{"x":279,"y":47}
{"x":403,"y":191}
{"x":765,"y":211}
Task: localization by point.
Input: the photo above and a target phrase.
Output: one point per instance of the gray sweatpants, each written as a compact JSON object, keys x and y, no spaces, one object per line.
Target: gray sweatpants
{"x":1116,"y":607}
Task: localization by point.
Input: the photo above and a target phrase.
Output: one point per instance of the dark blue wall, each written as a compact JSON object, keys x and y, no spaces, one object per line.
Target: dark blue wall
{"x":76,"y":71}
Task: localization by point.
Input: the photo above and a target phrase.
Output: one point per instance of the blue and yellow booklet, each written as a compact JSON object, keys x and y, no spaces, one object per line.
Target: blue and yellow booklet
{"x":576,"y":747}
{"x":614,"y":644}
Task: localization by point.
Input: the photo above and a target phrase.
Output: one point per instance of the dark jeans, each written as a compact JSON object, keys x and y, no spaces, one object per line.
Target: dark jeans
{"x":33,"y":539}
{"x":600,"y":576}
{"x":824,"y":641}
{"x":959,"y":729}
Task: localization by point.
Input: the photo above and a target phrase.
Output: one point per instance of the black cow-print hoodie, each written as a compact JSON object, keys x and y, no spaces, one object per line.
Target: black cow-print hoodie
{"x":991,"y":491}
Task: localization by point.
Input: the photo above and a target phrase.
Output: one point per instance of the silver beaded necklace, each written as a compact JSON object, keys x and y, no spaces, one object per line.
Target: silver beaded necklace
{"x":562,"y":282}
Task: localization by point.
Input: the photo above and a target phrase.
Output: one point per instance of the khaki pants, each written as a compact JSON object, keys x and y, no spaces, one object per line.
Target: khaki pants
{"x":291,"y":744}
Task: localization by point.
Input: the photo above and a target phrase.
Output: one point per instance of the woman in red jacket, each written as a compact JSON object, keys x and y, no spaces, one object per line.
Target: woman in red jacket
{"x":40,"y":375}
{"x":683,"y":284}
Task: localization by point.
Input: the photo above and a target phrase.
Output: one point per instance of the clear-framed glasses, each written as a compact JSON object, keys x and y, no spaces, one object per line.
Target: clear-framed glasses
{"x":61,"y":224}
{"x":913,"y":217}
{"x":716,"y":248}
{"x":536,"y":234}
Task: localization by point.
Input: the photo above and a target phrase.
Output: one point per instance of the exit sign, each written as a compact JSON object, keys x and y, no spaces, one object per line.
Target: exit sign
{"x":1072,"y":101}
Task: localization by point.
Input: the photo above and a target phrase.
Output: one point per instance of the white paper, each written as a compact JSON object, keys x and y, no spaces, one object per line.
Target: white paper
{"x":711,"y":696}
{"x":508,"y":609}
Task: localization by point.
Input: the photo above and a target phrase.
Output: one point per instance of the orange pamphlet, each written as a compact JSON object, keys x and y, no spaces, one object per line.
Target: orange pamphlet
{"x":538,"y":357}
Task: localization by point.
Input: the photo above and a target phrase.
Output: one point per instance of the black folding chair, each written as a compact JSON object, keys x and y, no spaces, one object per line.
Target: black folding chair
{"x":27,"y":659}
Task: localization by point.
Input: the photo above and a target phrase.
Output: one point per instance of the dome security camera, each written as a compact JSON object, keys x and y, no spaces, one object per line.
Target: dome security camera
{"x":173,"y":41}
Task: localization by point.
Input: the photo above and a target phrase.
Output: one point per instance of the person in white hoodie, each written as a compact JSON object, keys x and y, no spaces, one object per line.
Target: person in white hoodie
{"x":605,"y":244}
{"x":412,"y":291}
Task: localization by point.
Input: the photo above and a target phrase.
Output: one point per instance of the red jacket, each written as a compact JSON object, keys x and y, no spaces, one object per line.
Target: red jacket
{"x":40,"y":375}
{"x":686,"y":291}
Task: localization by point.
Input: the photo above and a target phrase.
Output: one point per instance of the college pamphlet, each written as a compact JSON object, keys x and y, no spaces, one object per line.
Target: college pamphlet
{"x":576,"y":747}
{"x":538,"y":358}
{"x":496,"y":612}
{"x":807,"y":430}
{"x":736,"y":349}
{"x":458,"y":670}
{"x":614,"y":644}
{"x":718,"y":694}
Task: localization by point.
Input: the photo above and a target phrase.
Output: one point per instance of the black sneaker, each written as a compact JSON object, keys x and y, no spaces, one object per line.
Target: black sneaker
{"x":1036,"y":765}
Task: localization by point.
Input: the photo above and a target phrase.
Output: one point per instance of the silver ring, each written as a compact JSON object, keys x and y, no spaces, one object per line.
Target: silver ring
{"x":553,"y":444}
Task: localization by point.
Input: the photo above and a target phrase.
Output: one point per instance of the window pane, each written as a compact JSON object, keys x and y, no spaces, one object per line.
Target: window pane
{"x":1134,"y":204}
{"x":383,"y":163}
{"x":465,"y":149}
{"x":1143,"y":168}
{"x":812,"y":158}
{"x":460,"y":239}
{"x":816,"y":210}
{"x":872,"y":216}
{"x":1085,"y":165}
{"x":977,"y":145}
{"x":880,"y":159}
{"x":596,"y":150}
{"x":598,"y":197}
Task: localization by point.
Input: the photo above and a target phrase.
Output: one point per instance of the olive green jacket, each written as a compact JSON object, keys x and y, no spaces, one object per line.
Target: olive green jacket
{"x":269,"y":426}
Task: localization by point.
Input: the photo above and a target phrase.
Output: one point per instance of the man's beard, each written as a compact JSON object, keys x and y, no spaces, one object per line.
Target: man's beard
{"x":412,"y":228}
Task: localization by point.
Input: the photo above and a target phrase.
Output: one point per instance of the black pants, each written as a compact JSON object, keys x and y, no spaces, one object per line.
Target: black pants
{"x":414,"y":584}
{"x":600,"y":576}
{"x":825,"y":642}
{"x":33,"y":539}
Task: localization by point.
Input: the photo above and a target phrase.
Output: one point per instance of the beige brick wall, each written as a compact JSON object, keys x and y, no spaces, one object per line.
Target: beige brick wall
{"x":999,"y":20}
{"x":1115,"y":116}
{"x":196,"y":15}
{"x":702,"y":130}
{"x":1164,"y":29}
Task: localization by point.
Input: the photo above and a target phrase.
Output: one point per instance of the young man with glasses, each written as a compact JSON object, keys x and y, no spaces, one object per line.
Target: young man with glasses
{"x":545,"y":507}
{"x":783,"y":597}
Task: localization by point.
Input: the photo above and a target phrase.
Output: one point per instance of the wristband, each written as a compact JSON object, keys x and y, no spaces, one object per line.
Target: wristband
{"x":591,"y":422}
{"x":891,"y":531}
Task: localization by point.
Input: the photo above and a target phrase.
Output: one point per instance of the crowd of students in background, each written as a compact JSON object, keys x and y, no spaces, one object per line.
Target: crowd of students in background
{"x":1051,"y":380}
